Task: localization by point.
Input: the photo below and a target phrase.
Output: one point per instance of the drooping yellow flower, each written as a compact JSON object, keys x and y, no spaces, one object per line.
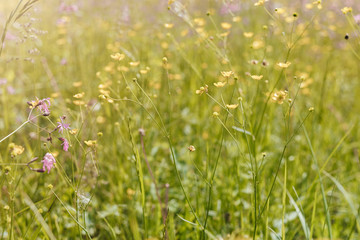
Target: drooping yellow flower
{"x":232,"y":106}
{"x":257,"y":77}
{"x":219,"y":84}
{"x":284,"y":65}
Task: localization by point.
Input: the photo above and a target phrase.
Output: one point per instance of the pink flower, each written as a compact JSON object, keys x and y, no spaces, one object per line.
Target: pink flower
{"x":44,"y":105}
{"x":61,"y":125}
{"x":48,"y":162}
{"x":65,"y":144}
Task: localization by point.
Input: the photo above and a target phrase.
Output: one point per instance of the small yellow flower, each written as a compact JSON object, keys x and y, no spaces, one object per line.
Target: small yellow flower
{"x":260,"y":3}
{"x":134,"y":64}
{"x":168,"y":25}
{"x":73,"y":131}
{"x":219,"y":84}
{"x":279,"y":96}
{"x":346,"y":10}
{"x":257,"y":44}
{"x":226,"y":25}
{"x":191,"y":148}
{"x":77,"y":84}
{"x":318,"y":4}
{"x":248,"y":34}
{"x":90,"y":143}
{"x":117,"y":56}
{"x":257,"y":77}
{"x":79,"y":95}
{"x":202,"y":90}
{"x":15,"y":149}
{"x":236,"y":19}
{"x":215,"y":114}
{"x":284,"y":65}
{"x":227,"y":73}
{"x":79,"y":102}
{"x":232,"y":106}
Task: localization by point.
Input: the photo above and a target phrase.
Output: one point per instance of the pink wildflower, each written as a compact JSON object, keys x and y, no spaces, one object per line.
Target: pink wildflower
{"x":65,"y":144}
{"x":61,"y":125}
{"x":48,"y":162}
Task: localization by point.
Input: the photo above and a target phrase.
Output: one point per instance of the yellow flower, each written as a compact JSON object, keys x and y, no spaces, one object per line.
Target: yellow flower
{"x":202,"y":90}
{"x":236,"y":19}
{"x":79,"y":95}
{"x":257,"y":44}
{"x":260,"y":3}
{"x":79,"y":102}
{"x":284,"y":65}
{"x":279,"y":96}
{"x":77,"y":84}
{"x":318,"y":3}
{"x":134,"y":64}
{"x":219,"y":84}
{"x":215,"y":114}
{"x":248,"y":34}
{"x":117,"y":56}
{"x":232,"y":106}
{"x":73,"y":131}
{"x":191,"y":148}
{"x":346,"y":10}
{"x":227,"y":73}
{"x":257,"y":77}
{"x":226,"y":25}
{"x":168,"y":25}
{"x":90,"y":143}
{"x":15,"y":149}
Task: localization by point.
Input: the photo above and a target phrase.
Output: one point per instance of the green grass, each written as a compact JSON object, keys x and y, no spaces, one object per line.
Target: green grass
{"x":276,"y":148}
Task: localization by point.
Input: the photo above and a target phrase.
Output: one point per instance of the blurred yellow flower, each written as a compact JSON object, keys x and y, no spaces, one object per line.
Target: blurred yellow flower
{"x":284,"y":65}
{"x":257,"y":77}
{"x":15,"y":149}
{"x":219,"y":84}
{"x":79,"y":95}
{"x":248,"y":34}
{"x":117,"y":56}
{"x":346,"y":10}
{"x":134,"y":64}
{"x":90,"y":143}
{"x":226,"y":25}
{"x":232,"y":106}
{"x":227,"y":73}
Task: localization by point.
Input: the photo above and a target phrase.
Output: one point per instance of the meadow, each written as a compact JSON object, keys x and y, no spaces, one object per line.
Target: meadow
{"x":179,"y":119}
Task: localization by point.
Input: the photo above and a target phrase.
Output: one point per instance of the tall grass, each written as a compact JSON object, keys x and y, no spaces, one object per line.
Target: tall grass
{"x":187,"y":120}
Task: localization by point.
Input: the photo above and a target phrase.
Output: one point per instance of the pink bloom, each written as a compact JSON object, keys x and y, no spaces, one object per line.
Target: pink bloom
{"x":44,"y":105}
{"x":48,"y":162}
{"x":61,"y":125}
{"x":65,"y":144}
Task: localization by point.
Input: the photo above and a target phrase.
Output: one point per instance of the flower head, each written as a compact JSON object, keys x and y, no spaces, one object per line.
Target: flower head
{"x":65,"y":144}
{"x":48,"y":162}
{"x":42,"y":104}
{"x":61,"y":125}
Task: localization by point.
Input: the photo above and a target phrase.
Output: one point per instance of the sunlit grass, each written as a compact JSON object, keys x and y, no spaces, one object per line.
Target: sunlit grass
{"x":184,"y":120}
